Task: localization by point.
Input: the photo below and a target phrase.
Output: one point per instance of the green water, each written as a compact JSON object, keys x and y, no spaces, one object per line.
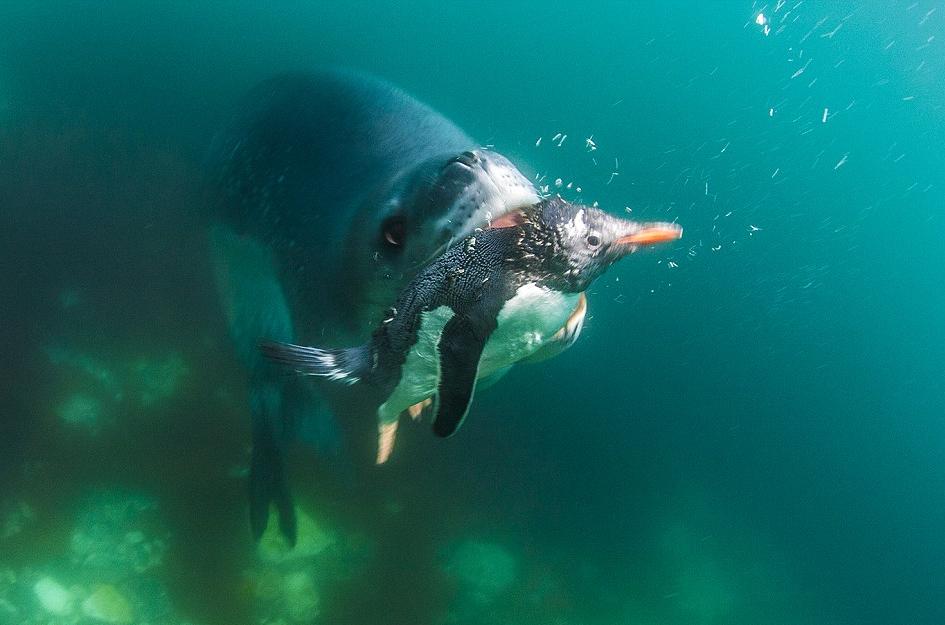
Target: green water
{"x":750,"y":430}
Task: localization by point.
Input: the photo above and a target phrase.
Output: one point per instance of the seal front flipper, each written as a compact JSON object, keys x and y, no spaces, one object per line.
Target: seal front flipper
{"x":252,"y":297}
{"x":460,"y":348}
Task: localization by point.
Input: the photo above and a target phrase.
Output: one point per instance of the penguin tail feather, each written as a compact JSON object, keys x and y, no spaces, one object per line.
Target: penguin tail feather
{"x":345,"y":366}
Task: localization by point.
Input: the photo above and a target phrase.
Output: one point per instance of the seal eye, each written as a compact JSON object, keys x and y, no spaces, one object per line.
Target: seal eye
{"x":394,"y":231}
{"x":593,"y":241}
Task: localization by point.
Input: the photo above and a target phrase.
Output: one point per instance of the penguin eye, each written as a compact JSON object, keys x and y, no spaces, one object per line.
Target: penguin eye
{"x":394,"y":231}
{"x":593,"y":241}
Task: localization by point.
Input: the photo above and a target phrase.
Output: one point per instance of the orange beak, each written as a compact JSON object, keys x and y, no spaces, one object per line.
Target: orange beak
{"x":650,"y":235}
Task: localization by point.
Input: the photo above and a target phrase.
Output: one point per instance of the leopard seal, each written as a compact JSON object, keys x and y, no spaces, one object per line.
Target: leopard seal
{"x":331,"y":190}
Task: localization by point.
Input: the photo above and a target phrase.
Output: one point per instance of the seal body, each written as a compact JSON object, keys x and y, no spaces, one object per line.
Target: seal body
{"x":330,"y":191}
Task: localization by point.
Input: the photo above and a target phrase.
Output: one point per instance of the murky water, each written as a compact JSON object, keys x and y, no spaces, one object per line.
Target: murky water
{"x":751,"y":428}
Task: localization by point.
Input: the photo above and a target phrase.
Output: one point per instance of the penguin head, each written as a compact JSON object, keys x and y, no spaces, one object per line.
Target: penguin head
{"x":577,"y":243}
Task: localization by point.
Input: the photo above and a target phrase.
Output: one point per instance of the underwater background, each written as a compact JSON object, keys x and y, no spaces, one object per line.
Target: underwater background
{"x":750,"y":430}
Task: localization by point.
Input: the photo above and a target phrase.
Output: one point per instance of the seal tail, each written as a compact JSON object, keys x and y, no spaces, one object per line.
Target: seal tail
{"x":346,"y":366}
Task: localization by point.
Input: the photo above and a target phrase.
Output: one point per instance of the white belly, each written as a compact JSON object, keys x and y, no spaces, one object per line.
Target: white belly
{"x":526,"y":322}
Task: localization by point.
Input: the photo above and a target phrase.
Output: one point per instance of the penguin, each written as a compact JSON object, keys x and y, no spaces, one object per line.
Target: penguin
{"x":493,"y":299}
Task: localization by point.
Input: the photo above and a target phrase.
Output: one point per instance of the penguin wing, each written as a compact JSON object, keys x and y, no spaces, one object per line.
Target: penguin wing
{"x":564,"y":337}
{"x":460,"y":348}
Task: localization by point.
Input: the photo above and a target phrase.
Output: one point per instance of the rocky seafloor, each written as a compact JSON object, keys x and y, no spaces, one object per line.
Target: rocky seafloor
{"x":100,"y":553}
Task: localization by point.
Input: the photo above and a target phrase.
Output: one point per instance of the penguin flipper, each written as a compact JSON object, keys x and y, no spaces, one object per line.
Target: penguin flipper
{"x":460,"y":348}
{"x":347,"y":366}
{"x":565,"y":337}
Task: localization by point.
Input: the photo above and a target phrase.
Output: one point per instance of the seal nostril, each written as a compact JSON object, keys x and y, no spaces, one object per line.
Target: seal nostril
{"x":467,"y":158}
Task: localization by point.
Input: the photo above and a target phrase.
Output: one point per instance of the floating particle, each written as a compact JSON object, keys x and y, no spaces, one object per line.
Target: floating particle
{"x":841,"y":162}
{"x":801,"y":70}
{"x":776,"y":172}
{"x":556,"y":137}
{"x":771,"y":112}
{"x":537,"y":143}
{"x":570,"y":184}
{"x":578,"y":189}
{"x":762,"y":20}
{"x":589,"y":144}
{"x":832,"y":32}
{"x":819,"y":23}
{"x":823,"y":119}
{"x":561,"y":141}
{"x":559,"y":182}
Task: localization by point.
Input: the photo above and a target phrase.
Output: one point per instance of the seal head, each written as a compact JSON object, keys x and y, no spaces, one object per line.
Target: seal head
{"x":423,"y":211}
